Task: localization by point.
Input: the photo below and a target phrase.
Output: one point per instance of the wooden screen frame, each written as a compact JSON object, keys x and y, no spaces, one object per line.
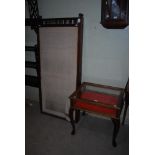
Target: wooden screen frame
{"x":63,"y":22}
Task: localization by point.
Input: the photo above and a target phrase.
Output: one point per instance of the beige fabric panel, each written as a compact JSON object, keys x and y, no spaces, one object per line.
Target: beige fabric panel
{"x":58,"y":49}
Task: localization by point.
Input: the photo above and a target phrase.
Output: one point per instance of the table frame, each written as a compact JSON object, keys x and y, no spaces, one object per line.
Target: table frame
{"x":116,"y":120}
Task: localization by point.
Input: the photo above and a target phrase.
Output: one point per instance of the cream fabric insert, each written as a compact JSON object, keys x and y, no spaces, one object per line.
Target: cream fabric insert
{"x":58,"y":51}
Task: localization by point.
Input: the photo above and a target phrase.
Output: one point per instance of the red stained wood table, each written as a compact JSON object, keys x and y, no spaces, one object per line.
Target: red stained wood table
{"x":99,"y":99}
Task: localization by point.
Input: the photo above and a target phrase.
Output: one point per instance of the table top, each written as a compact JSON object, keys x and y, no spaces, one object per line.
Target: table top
{"x":98,"y":94}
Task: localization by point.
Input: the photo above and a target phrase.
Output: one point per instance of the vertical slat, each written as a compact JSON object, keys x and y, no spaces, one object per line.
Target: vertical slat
{"x":79,"y":59}
{"x":80,"y":44}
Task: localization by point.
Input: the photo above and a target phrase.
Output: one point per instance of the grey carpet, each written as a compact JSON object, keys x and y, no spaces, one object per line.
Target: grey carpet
{"x":47,"y":135}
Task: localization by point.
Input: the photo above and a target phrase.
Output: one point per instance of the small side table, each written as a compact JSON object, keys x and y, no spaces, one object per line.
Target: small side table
{"x":99,"y":99}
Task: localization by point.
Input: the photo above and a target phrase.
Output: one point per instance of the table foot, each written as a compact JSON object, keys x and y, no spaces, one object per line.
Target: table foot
{"x":114,"y":144}
{"x":73,"y":132}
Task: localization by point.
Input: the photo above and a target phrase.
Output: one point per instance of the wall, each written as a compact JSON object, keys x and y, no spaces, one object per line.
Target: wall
{"x":105,"y":51}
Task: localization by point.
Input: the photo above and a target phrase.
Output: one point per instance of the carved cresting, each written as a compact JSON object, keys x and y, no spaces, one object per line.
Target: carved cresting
{"x":34,"y":14}
{"x":33,"y":9}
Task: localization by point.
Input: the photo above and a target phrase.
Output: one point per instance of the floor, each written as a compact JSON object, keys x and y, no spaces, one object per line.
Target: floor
{"x":47,"y":135}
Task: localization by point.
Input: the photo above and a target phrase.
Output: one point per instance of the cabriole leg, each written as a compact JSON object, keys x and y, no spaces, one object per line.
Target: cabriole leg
{"x":116,"y":123}
{"x":71,"y":111}
{"x":77,"y":116}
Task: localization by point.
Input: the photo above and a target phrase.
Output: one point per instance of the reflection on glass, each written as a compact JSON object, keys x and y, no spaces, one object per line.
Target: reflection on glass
{"x":115,"y":9}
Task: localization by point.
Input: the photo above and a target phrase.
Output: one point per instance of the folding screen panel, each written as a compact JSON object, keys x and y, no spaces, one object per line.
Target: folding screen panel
{"x":60,"y":65}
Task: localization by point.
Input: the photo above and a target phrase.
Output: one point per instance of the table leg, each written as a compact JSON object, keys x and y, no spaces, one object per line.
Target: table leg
{"x":116,"y":123}
{"x":71,"y":111}
{"x":83,"y":113}
{"x":126,"y":107}
{"x":77,"y":116}
{"x":124,"y":115}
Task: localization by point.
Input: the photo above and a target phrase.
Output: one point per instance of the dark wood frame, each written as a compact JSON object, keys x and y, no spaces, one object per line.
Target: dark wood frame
{"x":126,"y":98}
{"x":114,"y":23}
{"x":62,"y":22}
{"x":116,"y":120}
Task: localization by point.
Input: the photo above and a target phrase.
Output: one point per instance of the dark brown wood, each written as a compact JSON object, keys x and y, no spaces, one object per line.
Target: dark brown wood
{"x":59,"y":22}
{"x":116,"y":123}
{"x":59,"y":25}
{"x":126,"y":101}
{"x":37,"y":59}
{"x":75,"y":93}
{"x":77,"y":115}
{"x":79,"y":59}
{"x":121,"y":18}
{"x":103,"y":86}
{"x":97,"y":113}
{"x":39,"y":68}
{"x":80,"y":45}
{"x":55,"y":22}
{"x":120,"y":105}
{"x":125,"y":111}
{"x":71,"y":111}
